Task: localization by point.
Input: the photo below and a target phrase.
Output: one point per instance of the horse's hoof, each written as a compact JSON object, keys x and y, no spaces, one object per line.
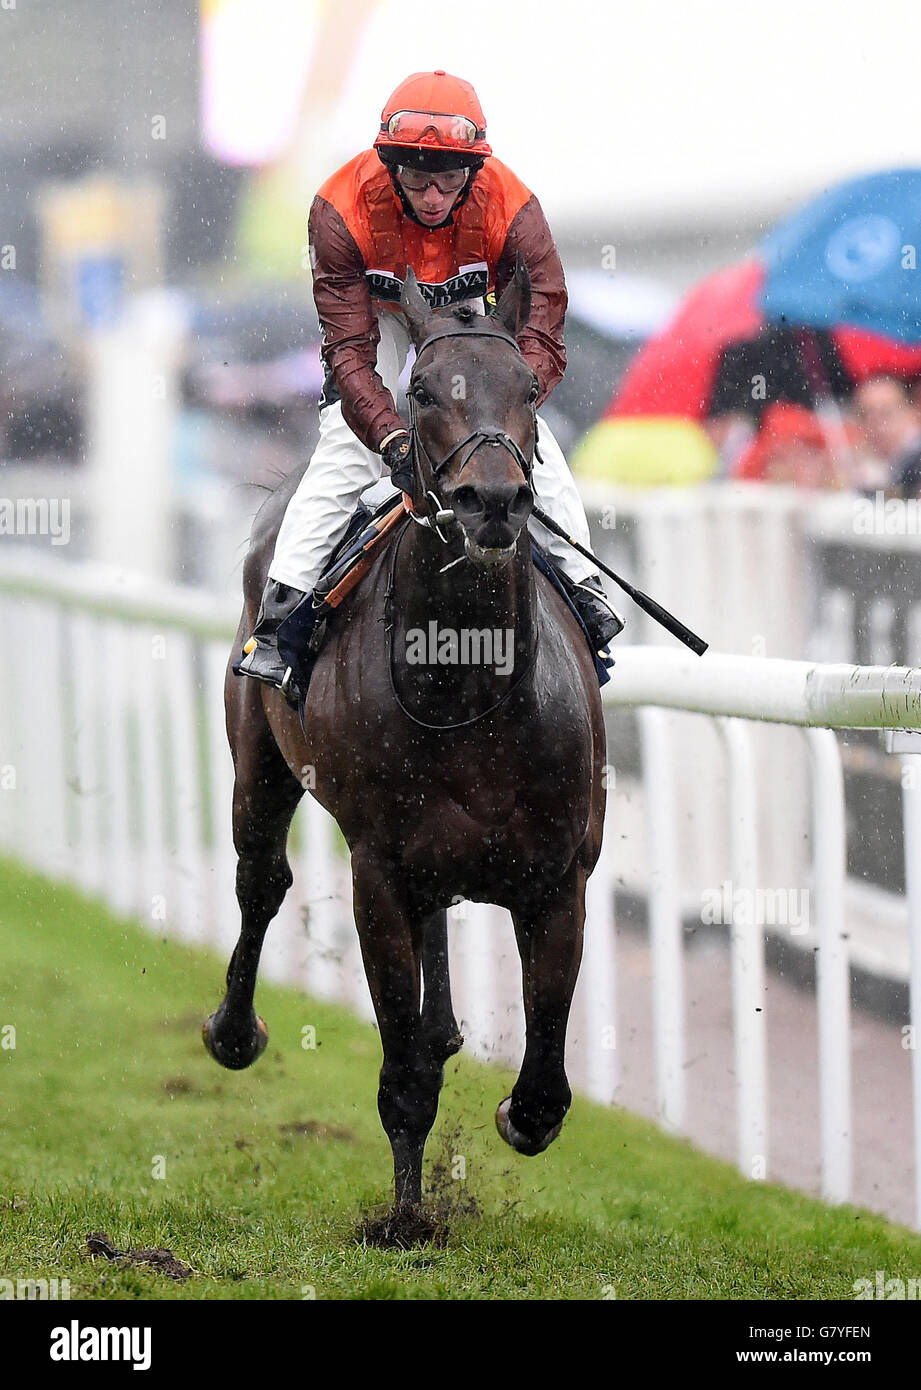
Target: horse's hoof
{"x":237,"y":1055}
{"x":518,"y":1141}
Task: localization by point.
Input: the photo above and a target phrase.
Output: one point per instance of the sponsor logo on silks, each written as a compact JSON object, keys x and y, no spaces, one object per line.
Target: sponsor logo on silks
{"x":470,"y":282}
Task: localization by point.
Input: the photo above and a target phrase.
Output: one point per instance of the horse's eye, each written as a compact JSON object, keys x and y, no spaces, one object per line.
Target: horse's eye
{"x":534,"y":391}
{"x":422,"y":396}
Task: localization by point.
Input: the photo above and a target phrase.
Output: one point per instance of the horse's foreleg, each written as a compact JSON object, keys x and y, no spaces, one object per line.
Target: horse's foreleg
{"x":264,"y":800}
{"x":550,"y":943}
{"x":391,"y":937}
{"x":438,"y":1021}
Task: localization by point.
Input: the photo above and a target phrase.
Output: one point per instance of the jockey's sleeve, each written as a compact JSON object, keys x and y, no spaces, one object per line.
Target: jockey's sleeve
{"x":541,"y":340}
{"x":348,"y":323}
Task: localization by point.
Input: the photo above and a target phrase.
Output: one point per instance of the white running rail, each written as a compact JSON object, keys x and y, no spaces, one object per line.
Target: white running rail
{"x":115,"y":776}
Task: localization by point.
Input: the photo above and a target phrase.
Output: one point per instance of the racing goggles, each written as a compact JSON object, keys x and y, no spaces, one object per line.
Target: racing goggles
{"x":451,"y":132}
{"x":415,"y":181}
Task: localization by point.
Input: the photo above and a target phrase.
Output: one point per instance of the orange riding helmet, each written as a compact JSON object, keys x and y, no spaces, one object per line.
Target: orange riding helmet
{"x":434,"y":122}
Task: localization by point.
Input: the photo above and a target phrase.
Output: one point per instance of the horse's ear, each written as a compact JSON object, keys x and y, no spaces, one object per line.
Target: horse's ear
{"x":514,"y":308}
{"x":414,"y":306}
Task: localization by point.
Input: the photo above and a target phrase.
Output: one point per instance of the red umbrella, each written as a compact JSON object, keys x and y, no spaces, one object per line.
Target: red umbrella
{"x":866,"y":354}
{"x":674,"y":373}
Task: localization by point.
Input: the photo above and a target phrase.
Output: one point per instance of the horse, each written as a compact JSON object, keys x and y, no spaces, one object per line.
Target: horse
{"x":450,"y":781}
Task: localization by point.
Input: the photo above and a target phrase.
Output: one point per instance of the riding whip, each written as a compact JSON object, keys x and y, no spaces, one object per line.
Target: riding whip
{"x":648,"y":605}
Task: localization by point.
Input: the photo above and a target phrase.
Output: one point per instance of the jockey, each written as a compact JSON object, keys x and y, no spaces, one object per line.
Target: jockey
{"x":430,"y":195}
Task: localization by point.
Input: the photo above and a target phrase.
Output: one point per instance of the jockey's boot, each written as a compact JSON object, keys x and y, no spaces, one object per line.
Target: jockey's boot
{"x":597,"y":612}
{"x":261,"y":658}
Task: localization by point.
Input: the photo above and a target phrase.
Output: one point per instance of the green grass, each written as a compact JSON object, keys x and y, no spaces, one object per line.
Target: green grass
{"x":109,"y":1071}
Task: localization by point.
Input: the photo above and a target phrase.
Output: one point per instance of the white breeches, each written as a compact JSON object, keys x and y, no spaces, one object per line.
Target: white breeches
{"x":342,"y":469}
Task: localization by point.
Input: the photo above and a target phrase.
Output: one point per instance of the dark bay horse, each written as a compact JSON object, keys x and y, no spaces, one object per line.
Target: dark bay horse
{"x":477,"y":779}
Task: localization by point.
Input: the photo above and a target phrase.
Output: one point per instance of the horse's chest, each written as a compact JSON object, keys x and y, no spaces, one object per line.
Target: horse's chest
{"x":487,"y":803}
{"x":466,"y":817}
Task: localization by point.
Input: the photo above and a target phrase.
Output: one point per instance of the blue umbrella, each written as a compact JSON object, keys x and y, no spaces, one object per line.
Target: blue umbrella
{"x":850,"y":257}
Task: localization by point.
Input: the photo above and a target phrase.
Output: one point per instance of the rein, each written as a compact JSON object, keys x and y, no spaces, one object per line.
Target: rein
{"x":414,"y":718}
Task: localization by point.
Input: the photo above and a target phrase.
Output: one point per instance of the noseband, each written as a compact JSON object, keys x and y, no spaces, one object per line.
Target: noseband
{"x":476,"y":437}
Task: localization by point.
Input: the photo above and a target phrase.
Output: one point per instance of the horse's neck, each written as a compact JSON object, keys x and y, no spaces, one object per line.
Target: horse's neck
{"x":466,"y":598}
{"x":465,"y":592}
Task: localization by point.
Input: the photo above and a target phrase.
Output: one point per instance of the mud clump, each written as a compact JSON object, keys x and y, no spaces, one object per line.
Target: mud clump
{"x":315,"y":1129}
{"x":182,"y":1023}
{"x":179,"y":1086}
{"x":447,"y":1196}
{"x":154,"y":1257}
{"x":447,"y":1199}
{"x":401,"y":1228}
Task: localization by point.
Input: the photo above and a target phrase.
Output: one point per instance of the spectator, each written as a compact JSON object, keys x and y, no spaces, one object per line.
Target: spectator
{"x":731,"y":433}
{"x":891,"y":428}
{"x":790,"y":447}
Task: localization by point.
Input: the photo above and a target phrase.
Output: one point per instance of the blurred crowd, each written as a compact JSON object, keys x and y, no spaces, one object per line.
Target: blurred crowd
{"x":252,"y":375}
{"x":869,"y":443}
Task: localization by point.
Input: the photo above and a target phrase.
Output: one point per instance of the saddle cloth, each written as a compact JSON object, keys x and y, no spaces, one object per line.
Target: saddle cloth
{"x":301,"y":635}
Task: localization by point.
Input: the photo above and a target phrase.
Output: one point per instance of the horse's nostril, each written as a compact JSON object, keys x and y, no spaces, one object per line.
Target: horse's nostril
{"x":467,"y":500}
{"x":503,"y":502}
{"x":493,"y":510}
{"x":521,"y":507}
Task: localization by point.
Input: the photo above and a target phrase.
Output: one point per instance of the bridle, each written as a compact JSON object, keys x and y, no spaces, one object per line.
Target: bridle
{"x":474,"y":439}
{"x":419,"y":452}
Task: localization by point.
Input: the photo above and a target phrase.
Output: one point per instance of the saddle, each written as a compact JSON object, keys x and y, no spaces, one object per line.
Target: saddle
{"x":303,"y":632}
